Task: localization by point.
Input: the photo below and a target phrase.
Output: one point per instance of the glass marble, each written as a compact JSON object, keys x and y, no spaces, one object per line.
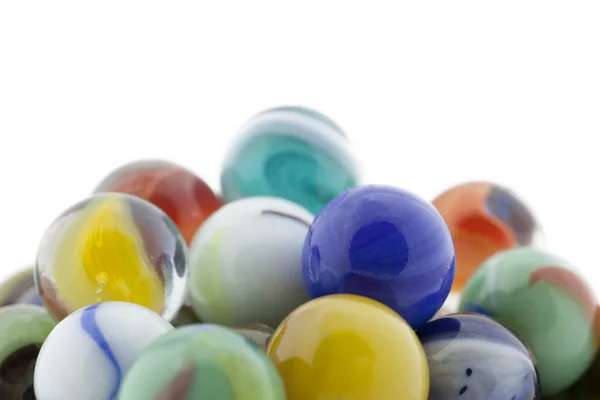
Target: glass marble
{"x":349,"y":347}
{"x":290,"y":152}
{"x":586,"y":388}
{"x":384,"y":243}
{"x":246,"y":263}
{"x":182,"y":195}
{"x":23,"y":329}
{"x":19,"y":289}
{"x":472,"y":357}
{"x":259,"y":334}
{"x":546,"y":303}
{"x":112,"y":247}
{"x":203,"y":361}
{"x":88,"y":353}
{"x":484,"y":218}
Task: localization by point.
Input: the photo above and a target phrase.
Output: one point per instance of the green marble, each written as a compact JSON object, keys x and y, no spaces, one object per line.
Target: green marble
{"x":546,"y":303}
{"x":23,"y":329}
{"x":290,"y":152}
{"x":202,"y":361}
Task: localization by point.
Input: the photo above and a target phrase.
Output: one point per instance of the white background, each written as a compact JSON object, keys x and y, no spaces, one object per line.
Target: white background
{"x":430,"y":93}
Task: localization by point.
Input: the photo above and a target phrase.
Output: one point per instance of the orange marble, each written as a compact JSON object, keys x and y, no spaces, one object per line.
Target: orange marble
{"x":483,"y":219}
{"x":178,"y":192}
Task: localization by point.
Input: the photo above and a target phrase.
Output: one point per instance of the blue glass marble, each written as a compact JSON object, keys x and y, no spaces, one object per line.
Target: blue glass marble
{"x":87,"y":355}
{"x":472,"y":357}
{"x":384,"y":243}
{"x":290,"y":152}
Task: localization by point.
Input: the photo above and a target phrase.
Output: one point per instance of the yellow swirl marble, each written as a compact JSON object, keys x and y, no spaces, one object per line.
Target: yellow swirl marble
{"x":101,"y":257}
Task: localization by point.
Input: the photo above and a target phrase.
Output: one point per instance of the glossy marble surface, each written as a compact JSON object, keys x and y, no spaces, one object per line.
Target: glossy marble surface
{"x":484,"y":218}
{"x":88,"y":353}
{"x":203,"y":362}
{"x":245,"y":262}
{"x":349,"y":347}
{"x":259,"y":334}
{"x":178,"y":192}
{"x":17,"y":288}
{"x":472,"y":357}
{"x":586,"y":388}
{"x":384,"y":243}
{"x":112,"y":247}
{"x":546,"y":303}
{"x":23,"y":329}
{"x":290,"y":152}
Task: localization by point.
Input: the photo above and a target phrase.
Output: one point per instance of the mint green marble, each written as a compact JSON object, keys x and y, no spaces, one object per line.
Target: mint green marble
{"x":22,"y":325}
{"x":202,"y":361}
{"x":546,"y":303}
{"x":291,"y":152}
{"x":23,"y":330}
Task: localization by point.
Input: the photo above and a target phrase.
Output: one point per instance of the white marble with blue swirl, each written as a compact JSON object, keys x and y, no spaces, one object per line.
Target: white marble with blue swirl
{"x":472,"y":357}
{"x":88,"y":353}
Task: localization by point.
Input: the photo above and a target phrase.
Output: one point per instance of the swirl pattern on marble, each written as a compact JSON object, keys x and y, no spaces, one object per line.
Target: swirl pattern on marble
{"x":348,"y":347}
{"x":203,"y":362}
{"x":88,"y":353}
{"x":112,"y":247}
{"x":384,"y":243}
{"x":484,"y":218}
{"x":178,"y":192}
{"x":545,"y":301}
{"x":290,"y":152}
{"x":246,"y":263}
{"x":472,"y":357}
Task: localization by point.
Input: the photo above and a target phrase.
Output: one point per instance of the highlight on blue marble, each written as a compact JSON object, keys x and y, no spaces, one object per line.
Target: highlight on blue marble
{"x":473,"y":357}
{"x":295,"y":153}
{"x":88,"y":353}
{"x":384,"y":243}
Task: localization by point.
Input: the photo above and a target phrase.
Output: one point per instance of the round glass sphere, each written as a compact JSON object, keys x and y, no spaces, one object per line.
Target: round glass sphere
{"x":348,"y":347}
{"x":293,"y":153}
{"x":384,"y":243}
{"x":112,"y":247}
{"x":484,"y":218}
{"x":473,"y":357}
{"x":246,"y":262}
{"x":202,"y":362}
{"x":88,"y":353}
{"x":546,"y":303}
{"x":23,"y":329}
{"x":178,"y":192}
{"x":18,"y":289}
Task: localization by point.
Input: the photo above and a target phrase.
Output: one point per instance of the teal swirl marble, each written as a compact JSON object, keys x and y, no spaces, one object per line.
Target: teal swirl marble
{"x":293,"y":153}
{"x":202,"y":361}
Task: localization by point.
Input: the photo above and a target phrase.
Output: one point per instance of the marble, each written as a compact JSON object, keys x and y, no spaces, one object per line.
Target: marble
{"x":202,"y":361}
{"x":294,"y":153}
{"x":546,"y":302}
{"x":485,"y":218}
{"x":112,"y":247}
{"x":348,"y":347}
{"x":17,"y":288}
{"x":23,"y":329}
{"x":259,"y":334}
{"x":88,"y":353}
{"x":384,"y":243}
{"x":177,"y":191}
{"x":246,"y":264}
{"x":472,"y":357}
